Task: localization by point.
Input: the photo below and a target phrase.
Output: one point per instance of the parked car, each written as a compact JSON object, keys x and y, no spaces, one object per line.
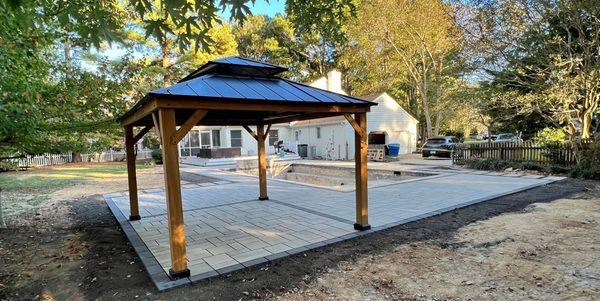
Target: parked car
{"x":439,"y":146}
{"x":507,"y":138}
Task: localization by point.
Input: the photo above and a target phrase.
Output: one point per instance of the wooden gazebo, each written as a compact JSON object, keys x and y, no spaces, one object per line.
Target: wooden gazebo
{"x":234,"y":91}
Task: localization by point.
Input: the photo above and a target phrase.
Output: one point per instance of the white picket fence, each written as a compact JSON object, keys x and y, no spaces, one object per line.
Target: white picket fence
{"x":59,"y":159}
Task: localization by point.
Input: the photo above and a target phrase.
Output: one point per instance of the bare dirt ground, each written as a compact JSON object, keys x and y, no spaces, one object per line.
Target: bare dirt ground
{"x":541,"y":244}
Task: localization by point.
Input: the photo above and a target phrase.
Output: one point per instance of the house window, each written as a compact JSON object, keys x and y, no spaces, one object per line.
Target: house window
{"x":318,"y":133}
{"x":236,"y":138}
{"x":273,"y":137}
{"x":216,"y":138}
{"x":205,"y":139}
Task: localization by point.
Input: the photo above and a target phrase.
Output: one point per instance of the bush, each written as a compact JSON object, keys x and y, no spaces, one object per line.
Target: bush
{"x":580,"y":171}
{"x":530,"y":166}
{"x":488,"y":164}
{"x":557,"y":169}
{"x":584,"y":172}
{"x":157,"y":156}
{"x":591,"y":155}
{"x":8,"y":166}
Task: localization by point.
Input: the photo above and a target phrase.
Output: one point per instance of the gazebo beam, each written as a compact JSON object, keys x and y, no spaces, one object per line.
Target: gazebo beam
{"x":142,"y":112}
{"x":157,"y":126}
{"x":262,"y":162}
{"x":245,"y":105}
{"x":360,"y":159}
{"x":188,"y":125}
{"x":134,"y":213}
{"x":355,"y":125}
{"x":251,"y":132}
{"x":179,"y":267}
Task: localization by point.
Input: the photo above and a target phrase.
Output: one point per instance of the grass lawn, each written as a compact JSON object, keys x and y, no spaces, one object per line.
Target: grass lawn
{"x":60,"y":176}
{"x":23,"y":191}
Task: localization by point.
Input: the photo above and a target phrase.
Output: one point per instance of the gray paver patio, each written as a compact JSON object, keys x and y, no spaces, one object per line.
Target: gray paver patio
{"x":227,"y":228}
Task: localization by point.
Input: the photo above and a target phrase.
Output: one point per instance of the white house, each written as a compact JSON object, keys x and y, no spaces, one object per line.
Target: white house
{"x":329,"y":138}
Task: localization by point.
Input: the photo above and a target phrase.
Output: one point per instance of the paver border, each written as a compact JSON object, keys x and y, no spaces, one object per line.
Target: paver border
{"x":163,"y":283}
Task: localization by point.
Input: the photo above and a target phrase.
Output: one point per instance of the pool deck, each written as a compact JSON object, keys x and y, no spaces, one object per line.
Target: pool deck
{"x":228,"y":229}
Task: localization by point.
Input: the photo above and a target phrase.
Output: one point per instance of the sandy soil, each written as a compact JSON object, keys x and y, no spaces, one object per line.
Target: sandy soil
{"x":541,"y":244}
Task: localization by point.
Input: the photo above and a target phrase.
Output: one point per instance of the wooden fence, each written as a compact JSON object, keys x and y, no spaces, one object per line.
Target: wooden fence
{"x":522,"y":151}
{"x":59,"y":159}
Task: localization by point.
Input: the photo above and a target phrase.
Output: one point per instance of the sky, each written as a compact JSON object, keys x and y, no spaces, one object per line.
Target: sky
{"x":261,"y":7}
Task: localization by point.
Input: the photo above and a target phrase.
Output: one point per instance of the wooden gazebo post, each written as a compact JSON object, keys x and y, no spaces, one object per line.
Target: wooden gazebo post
{"x":168,"y":132}
{"x":359,"y":123}
{"x":262,"y":162}
{"x":134,"y":213}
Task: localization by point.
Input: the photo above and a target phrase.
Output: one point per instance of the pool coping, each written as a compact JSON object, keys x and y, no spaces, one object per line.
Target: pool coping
{"x":433,"y":175}
{"x":163,"y":282}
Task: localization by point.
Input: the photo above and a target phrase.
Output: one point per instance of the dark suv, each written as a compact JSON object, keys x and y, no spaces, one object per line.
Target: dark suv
{"x":439,"y":146}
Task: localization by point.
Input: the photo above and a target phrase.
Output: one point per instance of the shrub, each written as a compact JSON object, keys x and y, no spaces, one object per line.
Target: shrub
{"x":8,"y":166}
{"x":584,"y":172}
{"x":488,"y":164}
{"x":157,"y":156}
{"x":557,"y":169}
{"x":529,"y":166}
{"x":591,"y":155}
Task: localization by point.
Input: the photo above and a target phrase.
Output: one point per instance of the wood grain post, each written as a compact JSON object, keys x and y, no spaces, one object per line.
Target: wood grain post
{"x":173,"y":192}
{"x":262,"y":162}
{"x":360,"y":159}
{"x":134,"y":213}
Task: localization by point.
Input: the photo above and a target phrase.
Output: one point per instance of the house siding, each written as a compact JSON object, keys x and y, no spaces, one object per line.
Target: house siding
{"x":390,"y":118}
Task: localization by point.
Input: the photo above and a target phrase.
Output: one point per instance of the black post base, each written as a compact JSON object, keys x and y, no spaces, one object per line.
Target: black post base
{"x":135,"y":217}
{"x":360,"y":227}
{"x":261,"y":198}
{"x":180,"y":274}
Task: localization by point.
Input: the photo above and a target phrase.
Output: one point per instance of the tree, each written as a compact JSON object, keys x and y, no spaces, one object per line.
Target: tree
{"x":321,"y":25}
{"x":409,"y":42}
{"x":555,"y":70}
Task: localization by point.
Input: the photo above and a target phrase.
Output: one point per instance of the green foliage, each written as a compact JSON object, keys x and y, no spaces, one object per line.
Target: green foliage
{"x":584,"y":172}
{"x":413,"y":50}
{"x":157,"y":156}
{"x":458,"y":134}
{"x":550,"y":136}
{"x":554,"y":71}
{"x":8,"y":166}
{"x":150,"y":141}
{"x":581,"y":171}
{"x":590,"y":156}
{"x":488,"y":164}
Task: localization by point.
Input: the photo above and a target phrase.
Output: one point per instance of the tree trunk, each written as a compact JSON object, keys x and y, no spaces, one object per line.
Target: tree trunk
{"x":76,"y":157}
{"x":164,"y":46}
{"x":436,"y":130}
{"x":428,"y":125}
{"x":586,"y":123}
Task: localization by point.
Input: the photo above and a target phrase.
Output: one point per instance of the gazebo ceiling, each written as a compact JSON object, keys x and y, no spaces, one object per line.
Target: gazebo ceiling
{"x":239,"y":91}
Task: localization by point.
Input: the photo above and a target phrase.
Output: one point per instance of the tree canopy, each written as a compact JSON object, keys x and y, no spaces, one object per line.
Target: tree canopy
{"x":70,"y":67}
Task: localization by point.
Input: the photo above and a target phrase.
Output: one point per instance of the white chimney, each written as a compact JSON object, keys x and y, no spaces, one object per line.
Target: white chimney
{"x":334,"y":81}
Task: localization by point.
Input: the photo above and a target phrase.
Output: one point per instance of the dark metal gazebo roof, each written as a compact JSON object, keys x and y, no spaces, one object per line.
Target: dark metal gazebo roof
{"x":245,"y":82}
